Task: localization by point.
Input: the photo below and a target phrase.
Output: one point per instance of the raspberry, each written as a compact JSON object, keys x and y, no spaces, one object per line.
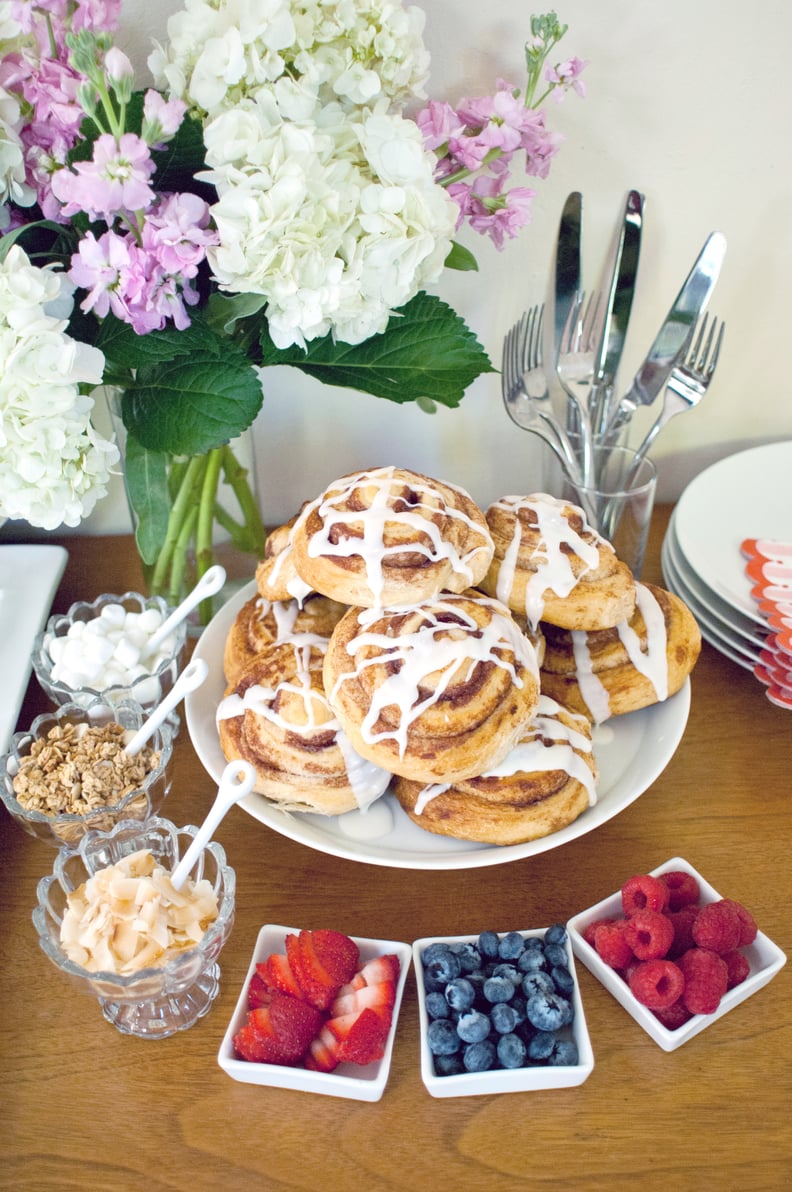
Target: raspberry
{"x":717,"y":928}
{"x":748,"y":928}
{"x":706,"y":978}
{"x":674,"y":1016}
{"x":683,"y":889}
{"x":611,"y":944}
{"x":588,"y":932}
{"x":657,"y":983}
{"x":737,"y":968}
{"x":649,"y":934}
{"x":682,"y":921}
{"x":643,"y":892}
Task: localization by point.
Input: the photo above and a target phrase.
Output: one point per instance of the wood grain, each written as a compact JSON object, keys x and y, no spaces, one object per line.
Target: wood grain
{"x":85,"y":1107}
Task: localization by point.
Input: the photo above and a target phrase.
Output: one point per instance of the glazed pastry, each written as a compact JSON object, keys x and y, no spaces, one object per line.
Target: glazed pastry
{"x":276,"y":575}
{"x":550,"y":565}
{"x":435,"y":690}
{"x":390,"y":536}
{"x":639,"y":663}
{"x":260,"y":622}
{"x":277,"y":717}
{"x":544,"y":783}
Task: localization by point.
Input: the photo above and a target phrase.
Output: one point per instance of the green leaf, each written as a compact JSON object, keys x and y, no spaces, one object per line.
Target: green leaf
{"x":223,"y":311}
{"x":146,"y":478}
{"x":189,"y":406}
{"x":461,"y":258}
{"x":124,"y":348}
{"x":426,"y":351}
{"x":181,"y":159}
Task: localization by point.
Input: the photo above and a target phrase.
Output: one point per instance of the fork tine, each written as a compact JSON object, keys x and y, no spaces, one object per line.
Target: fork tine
{"x":697,"y":357}
{"x":570,"y":336}
{"x":717,"y":348}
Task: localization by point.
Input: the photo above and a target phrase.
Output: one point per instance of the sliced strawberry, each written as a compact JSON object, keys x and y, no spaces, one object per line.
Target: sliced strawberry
{"x":381,"y":968}
{"x":258,"y":990}
{"x":259,"y":1039}
{"x":337,"y":953}
{"x":295,"y":1023}
{"x":380,"y":998}
{"x":321,"y":1054}
{"x":360,"y":1038}
{"x":249,"y":1046}
{"x":276,"y":972}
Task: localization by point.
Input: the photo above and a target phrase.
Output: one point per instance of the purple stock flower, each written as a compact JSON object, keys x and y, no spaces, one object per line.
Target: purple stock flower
{"x":566,"y":77}
{"x":177,"y":233}
{"x":116,"y":180}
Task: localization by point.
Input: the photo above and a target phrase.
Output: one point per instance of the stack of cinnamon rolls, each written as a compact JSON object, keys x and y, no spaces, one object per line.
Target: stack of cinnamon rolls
{"x":401,"y":638}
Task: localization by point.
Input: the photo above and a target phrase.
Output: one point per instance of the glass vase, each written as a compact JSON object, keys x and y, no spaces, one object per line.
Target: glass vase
{"x":212,"y":516}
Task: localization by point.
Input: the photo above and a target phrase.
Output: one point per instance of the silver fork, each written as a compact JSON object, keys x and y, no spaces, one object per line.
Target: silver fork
{"x":575,"y":369}
{"x":524,"y":386}
{"x":687,"y":384}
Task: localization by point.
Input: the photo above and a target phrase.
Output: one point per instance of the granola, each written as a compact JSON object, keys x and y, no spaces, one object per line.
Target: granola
{"x":76,"y":769}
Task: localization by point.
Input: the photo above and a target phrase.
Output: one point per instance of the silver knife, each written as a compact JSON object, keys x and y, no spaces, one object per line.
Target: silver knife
{"x":565,"y":271}
{"x":673,"y":338}
{"x":617,"y":289}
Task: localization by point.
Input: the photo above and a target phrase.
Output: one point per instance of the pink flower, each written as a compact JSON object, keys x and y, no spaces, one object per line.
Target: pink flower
{"x":116,"y":180}
{"x":161,"y":117}
{"x":438,"y":123}
{"x":176,"y":233}
{"x":97,"y":267}
{"x":566,"y":77}
{"x":97,"y":15}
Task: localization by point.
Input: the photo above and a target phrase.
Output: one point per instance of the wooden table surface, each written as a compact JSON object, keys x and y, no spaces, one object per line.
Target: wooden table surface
{"x":85,"y":1107}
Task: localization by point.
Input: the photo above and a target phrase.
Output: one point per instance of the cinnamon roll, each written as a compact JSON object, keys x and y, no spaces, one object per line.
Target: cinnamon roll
{"x":277,"y":717}
{"x":544,"y":783}
{"x":276,"y":574}
{"x":638,"y":663}
{"x":550,"y":565}
{"x":260,"y":622}
{"x":388,"y":536}
{"x":435,"y":690}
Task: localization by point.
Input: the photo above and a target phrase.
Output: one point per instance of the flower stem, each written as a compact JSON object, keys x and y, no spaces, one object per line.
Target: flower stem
{"x":189,"y":485}
{"x":236,"y":476}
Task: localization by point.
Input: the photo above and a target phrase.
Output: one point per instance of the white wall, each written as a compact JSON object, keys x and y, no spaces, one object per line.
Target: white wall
{"x":689,"y":101}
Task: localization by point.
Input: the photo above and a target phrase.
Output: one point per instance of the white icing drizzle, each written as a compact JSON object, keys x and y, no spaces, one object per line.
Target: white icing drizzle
{"x":297,"y":588}
{"x":429,"y":650}
{"x":554,"y":570}
{"x":652,"y":663}
{"x":366,"y":780}
{"x":534,"y":756}
{"x":380,"y":513}
{"x":595,"y":695}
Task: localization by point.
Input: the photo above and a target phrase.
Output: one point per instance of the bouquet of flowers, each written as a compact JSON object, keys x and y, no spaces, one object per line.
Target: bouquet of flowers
{"x":270,"y":201}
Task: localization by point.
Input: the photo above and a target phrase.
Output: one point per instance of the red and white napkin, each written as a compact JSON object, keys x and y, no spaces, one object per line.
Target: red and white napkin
{"x":769,"y":567}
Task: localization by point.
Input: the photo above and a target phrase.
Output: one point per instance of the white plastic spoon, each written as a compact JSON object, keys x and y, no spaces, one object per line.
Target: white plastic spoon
{"x":210,"y":583}
{"x":236,"y":781}
{"x":191,"y":677}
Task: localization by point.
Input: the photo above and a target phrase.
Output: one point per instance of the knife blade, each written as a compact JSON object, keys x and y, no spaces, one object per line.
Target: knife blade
{"x":673,"y":339}
{"x":617,"y":290}
{"x":565,"y":272}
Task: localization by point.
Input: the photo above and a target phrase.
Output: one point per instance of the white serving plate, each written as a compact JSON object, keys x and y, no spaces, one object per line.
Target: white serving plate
{"x":746,"y":495}
{"x":501,"y":1080}
{"x":356,"y":1082}
{"x":632,"y":751}
{"x":764,"y":957}
{"x":29,"y":578}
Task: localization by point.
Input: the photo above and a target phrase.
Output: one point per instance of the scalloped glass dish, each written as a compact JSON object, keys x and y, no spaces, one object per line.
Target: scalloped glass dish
{"x":631,"y":752}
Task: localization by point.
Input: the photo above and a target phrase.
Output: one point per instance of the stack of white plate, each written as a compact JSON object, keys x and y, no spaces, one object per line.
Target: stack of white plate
{"x":747,"y":495}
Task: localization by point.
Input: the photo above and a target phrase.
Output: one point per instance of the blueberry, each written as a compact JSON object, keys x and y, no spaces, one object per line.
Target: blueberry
{"x":472,"y":1027}
{"x":448,"y":1065}
{"x":460,"y":994}
{"x":443,"y":967}
{"x":548,"y":1011}
{"x":511,"y":1051}
{"x":479,"y":1057}
{"x":498,"y":989}
{"x":508,"y":970}
{"x":564,"y":981}
{"x":432,"y":951}
{"x":442,"y":1037}
{"x":556,"y":954}
{"x":541,"y":1047}
{"x":511,"y":945}
{"x":518,"y":1005}
{"x":557,"y":934}
{"x":504,"y":1018}
{"x":469,"y":957}
{"x":488,"y":943}
{"x":436,"y":1005}
{"x":564,"y":1054}
{"x":531,"y":960}
{"x":538,"y":982}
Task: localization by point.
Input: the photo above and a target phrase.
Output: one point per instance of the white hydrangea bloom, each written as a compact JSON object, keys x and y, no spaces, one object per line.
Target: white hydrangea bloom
{"x":13,"y":187}
{"x":53,"y":465}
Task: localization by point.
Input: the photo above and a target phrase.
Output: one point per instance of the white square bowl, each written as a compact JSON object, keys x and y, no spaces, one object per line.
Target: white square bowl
{"x":764,"y":957}
{"x":502,"y":1080}
{"x":358,"y":1082}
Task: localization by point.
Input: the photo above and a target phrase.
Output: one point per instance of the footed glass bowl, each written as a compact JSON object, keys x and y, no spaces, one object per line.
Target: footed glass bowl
{"x":147,"y":689}
{"x":159,"y":1001}
{"x":67,"y":829}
